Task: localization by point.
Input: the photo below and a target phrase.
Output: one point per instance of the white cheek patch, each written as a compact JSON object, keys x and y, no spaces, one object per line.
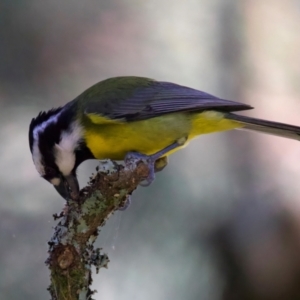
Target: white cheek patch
{"x":37,"y":158}
{"x":64,"y":151}
{"x":64,"y":159}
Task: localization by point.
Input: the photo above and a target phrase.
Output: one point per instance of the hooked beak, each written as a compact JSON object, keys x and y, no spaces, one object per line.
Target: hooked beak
{"x":68,"y":187}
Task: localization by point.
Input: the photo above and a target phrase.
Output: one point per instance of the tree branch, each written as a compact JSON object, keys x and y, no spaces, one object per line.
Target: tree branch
{"x":71,"y":250}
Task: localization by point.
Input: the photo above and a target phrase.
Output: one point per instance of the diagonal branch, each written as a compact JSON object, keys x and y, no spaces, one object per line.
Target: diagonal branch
{"x":71,"y":250}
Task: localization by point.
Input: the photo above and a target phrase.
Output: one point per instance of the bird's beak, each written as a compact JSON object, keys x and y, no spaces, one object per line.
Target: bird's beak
{"x":68,"y":187}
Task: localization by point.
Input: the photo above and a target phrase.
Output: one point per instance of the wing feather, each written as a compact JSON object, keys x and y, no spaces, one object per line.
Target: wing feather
{"x":154,"y":99}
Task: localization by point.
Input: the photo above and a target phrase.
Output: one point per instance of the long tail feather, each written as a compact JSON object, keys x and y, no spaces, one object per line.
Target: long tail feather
{"x":269,"y":127}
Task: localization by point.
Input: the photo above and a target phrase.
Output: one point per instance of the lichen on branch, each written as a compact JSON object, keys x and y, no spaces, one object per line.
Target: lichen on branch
{"x":71,"y":248}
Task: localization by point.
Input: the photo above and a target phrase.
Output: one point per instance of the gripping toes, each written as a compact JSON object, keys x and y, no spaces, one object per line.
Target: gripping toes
{"x":132,"y":157}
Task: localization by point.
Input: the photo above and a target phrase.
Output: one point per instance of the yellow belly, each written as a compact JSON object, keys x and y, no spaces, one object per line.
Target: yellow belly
{"x":113,"y":140}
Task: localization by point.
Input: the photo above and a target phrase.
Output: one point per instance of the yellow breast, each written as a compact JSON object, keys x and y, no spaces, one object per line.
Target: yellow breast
{"x":110,"y":139}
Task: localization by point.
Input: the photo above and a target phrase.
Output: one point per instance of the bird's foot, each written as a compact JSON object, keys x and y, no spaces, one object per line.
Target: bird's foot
{"x":155,"y":162}
{"x":148,"y":160}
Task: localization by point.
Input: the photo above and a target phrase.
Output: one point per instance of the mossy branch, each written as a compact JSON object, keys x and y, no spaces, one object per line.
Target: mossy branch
{"x":71,"y":250}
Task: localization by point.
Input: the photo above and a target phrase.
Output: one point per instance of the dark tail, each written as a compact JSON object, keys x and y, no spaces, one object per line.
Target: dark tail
{"x":274,"y":128}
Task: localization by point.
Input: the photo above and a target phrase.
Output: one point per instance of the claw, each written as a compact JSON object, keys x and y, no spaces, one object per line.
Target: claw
{"x":132,"y":156}
{"x":156,"y":162}
{"x":147,"y":181}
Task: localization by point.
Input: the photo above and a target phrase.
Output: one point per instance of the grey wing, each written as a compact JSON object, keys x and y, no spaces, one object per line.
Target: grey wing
{"x":158,"y":99}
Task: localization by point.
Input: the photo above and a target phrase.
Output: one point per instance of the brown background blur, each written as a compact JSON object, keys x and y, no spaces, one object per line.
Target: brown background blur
{"x":222,"y":221}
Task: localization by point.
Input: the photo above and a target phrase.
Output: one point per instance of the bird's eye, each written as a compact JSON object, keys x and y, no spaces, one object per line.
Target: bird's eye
{"x":50,"y":173}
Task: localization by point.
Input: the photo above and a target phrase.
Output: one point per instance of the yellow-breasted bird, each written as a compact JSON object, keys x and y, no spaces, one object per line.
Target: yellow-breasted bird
{"x":131,"y":117}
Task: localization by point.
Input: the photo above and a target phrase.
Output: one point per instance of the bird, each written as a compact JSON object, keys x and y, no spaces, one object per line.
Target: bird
{"x":131,"y":117}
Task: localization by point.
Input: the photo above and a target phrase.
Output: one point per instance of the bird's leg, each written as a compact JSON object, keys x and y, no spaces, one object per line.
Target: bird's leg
{"x":151,"y":159}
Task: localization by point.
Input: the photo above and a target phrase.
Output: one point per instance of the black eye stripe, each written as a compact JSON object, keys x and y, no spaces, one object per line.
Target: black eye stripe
{"x":50,"y":171}
{"x":48,"y":178}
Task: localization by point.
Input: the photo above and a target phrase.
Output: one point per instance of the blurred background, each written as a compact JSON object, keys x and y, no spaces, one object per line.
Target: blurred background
{"x":222,"y":221}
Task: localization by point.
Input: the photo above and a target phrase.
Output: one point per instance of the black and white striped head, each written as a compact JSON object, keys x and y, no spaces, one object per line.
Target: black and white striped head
{"x":57,"y":147}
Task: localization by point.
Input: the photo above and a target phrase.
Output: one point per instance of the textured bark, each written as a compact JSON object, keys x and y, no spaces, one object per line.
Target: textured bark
{"x":71,"y":250}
